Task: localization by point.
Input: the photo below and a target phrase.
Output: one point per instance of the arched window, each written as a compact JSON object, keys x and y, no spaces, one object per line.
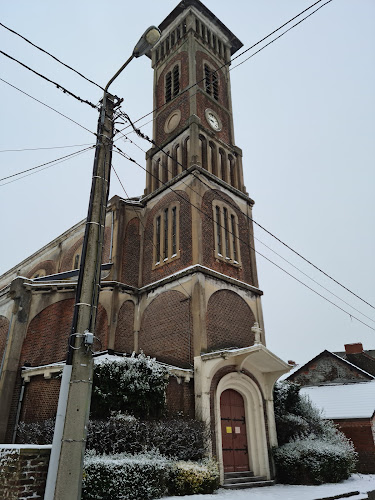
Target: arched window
{"x":155,"y":174}
{"x":203,"y":144}
{"x":223,"y":165}
{"x":226,"y":233}
{"x":232,"y":169}
{"x":166,"y":235}
{"x":175,"y":160}
{"x":211,"y":82}
{"x":213,"y":158}
{"x":172,"y":83}
{"x":76,"y":261}
{"x":186,"y":153}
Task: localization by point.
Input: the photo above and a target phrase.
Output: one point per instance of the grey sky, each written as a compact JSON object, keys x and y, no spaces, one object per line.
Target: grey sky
{"x":304,"y":116}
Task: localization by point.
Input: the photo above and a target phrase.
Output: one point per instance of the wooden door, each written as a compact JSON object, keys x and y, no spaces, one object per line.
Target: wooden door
{"x":233,"y":432}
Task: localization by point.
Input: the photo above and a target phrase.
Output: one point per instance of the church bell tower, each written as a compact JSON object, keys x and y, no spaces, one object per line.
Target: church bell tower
{"x":193,"y":119}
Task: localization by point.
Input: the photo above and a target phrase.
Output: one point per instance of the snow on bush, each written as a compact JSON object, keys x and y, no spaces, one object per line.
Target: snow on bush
{"x":133,"y":385}
{"x":124,"y":477}
{"x":313,"y":460}
{"x":188,"y":478}
{"x":312,"y":450}
{"x":36,"y":432}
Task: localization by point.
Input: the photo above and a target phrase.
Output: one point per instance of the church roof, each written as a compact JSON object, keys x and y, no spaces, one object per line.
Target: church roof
{"x":236,"y":44}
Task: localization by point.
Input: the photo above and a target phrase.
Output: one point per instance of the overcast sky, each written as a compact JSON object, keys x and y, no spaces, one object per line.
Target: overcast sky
{"x":304,"y":114}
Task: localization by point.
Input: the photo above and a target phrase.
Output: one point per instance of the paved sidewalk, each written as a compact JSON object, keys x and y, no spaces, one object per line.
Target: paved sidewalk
{"x":361,"y":483}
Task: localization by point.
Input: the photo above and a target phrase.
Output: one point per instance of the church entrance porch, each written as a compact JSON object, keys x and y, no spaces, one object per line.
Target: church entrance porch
{"x":233,"y":432}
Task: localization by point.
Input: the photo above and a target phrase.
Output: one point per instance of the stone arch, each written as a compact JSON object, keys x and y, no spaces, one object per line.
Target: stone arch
{"x":166,"y":329}
{"x":47,"y":335}
{"x":255,"y":421}
{"x":124,"y":338}
{"x":229,"y":321}
{"x":47,"y":267}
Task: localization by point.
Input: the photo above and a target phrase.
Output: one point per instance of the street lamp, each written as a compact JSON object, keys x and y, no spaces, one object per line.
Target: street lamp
{"x":64,"y":481}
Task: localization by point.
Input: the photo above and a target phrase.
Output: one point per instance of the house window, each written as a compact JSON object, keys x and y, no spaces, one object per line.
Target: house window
{"x":172,"y":83}
{"x":211,"y":82}
{"x":166,"y":235}
{"x":226,"y":233}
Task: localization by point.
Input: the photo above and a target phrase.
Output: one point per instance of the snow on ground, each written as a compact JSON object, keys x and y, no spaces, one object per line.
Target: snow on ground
{"x":357,"y":482}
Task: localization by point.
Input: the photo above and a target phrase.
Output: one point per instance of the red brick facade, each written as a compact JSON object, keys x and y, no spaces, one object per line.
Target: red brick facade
{"x":362,"y":433}
{"x":166,"y":329}
{"x":124,"y":340}
{"x":149,"y":274}
{"x":229,"y":321}
{"x":48,"y":266}
{"x":180,"y":398}
{"x":130,"y":253}
{"x":43,"y":392}
{"x":243,"y":273}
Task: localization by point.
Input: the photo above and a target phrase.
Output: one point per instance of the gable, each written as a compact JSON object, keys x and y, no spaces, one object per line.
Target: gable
{"x":327,"y":368}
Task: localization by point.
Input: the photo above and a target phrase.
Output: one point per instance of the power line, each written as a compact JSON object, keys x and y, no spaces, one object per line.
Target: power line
{"x":57,"y":160}
{"x":239,"y":55}
{"x":145,"y":137}
{"x":47,"y":106}
{"x":39,"y":149}
{"x":49,"y":54}
{"x":246,"y":243}
{"x":60,"y":87}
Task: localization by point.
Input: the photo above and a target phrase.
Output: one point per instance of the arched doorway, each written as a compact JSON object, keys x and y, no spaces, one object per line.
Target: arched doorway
{"x":233,"y":432}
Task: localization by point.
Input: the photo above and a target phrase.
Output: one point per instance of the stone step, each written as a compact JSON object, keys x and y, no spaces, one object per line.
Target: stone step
{"x":243,"y":479}
{"x":246,"y":473}
{"x":249,"y":484}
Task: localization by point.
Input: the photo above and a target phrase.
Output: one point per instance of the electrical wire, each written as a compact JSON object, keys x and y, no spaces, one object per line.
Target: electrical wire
{"x":46,"y":165}
{"x":146,"y":138}
{"x":246,"y":243}
{"x":39,"y":149}
{"x":239,"y":55}
{"x":60,"y":87}
{"x":49,"y":54}
{"x":47,"y":106}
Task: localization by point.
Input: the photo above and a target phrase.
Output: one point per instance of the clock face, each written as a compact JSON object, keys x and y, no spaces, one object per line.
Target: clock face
{"x":213,"y":120}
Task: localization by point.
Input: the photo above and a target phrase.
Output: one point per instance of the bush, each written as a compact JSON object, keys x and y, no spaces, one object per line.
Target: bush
{"x":36,"y":432}
{"x":314,"y":461}
{"x":188,"y":478}
{"x":134,"y":385}
{"x":124,"y":477}
{"x":312,"y":450}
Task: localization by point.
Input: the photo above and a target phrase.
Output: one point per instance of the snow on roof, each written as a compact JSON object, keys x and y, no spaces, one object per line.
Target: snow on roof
{"x":342,"y":401}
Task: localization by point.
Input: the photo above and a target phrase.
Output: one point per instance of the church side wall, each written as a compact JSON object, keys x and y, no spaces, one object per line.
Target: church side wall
{"x":361,"y":433}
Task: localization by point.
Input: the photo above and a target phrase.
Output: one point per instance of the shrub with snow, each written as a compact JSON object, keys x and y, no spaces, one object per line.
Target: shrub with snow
{"x":36,"y":432}
{"x":124,"y":477}
{"x":133,"y":385}
{"x":312,"y":450}
{"x":189,"y":478}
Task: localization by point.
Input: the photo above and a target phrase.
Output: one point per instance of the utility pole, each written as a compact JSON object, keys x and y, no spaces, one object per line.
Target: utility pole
{"x":69,"y":471}
{"x":64,"y":481}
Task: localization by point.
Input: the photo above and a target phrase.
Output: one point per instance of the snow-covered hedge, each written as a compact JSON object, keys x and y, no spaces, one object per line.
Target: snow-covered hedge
{"x":312,"y":450}
{"x":314,"y":461}
{"x":133,"y":384}
{"x":188,"y":478}
{"x":145,"y":476}
{"x":124,"y":477}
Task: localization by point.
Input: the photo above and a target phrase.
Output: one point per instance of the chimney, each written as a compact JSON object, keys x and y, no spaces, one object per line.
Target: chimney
{"x":354,"y":348}
{"x":292,"y":363}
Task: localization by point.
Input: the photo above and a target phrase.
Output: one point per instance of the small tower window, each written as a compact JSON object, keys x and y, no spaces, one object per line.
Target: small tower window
{"x":166,"y":218}
{"x":76,"y":261}
{"x":157,"y":237}
{"x":226,"y":234}
{"x":172,"y":83}
{"x":211,"y":83}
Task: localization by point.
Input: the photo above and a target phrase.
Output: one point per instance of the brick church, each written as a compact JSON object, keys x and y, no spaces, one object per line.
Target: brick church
{"x":179,"y":278}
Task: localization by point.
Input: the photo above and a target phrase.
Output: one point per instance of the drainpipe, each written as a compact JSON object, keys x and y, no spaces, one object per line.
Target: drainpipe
{"x":18,"y":411}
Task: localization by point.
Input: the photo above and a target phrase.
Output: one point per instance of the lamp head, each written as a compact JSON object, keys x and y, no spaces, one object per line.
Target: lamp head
{"x":149,"y":38}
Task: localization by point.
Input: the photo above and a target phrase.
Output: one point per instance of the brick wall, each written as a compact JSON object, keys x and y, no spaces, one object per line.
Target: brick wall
{"x":23,"y":471}
{"x":124,"y":339}
{"x":130,"y":253}
{"x":180,"y":398}
{"x":46,"y":393}
{"x":182,"y":103}
{"x":229,"y":321}
{"x":361,"y":434}
{"x":150,"y":275}
{"x":166,"y":329}
{"x":243,"y":273}
{"x":4,"y":326}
